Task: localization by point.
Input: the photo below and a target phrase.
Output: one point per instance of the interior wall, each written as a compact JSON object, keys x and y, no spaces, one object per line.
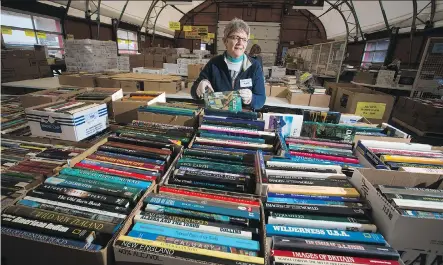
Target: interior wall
{"x":298,"y":27}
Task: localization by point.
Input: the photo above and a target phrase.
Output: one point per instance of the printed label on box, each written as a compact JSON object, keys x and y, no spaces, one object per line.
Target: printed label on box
{"x":370,"y":110}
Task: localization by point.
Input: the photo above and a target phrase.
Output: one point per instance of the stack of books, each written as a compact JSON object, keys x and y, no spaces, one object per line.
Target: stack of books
{"x":319,"y":220}
{"x":13,"y":119}
{"x":415,"y":202}
{"x":235,"y":131}
{"x":99,"y":94}
{"x":216,"y":169}
{"x":87,"y":204}
{"x":157,"y":132}
{"x":180,"y":109}
{"x":197,"y":226}
{"x":414,"y":158}
{"x":229,"y":100}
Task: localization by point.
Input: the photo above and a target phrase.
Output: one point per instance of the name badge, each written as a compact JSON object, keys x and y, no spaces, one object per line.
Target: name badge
{"x":246,"y":82}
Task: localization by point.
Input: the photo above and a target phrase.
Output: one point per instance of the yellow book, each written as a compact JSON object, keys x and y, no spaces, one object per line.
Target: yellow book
{"x":411,"y":159}
{"x":313,"y":190}
{"x":198,"y":251}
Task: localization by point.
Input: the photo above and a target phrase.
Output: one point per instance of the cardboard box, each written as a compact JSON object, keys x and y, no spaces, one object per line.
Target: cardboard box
{"x":77,"y":80}
{"x":297,"y":98}
{"x":130,"y":85}
{"x":319,"y":100}
{"x":171,"y":59}
{"x":158,"y":64}
{"x":267,"y":90}
{"x":168,"y":119}
{"x":332,"y":88}
{"x":365,"y":78}
{"x":52,"y":125}
{"x":170,"y":87}
{"x":401,"y":232}
{"x":45,"y":71}
{"x":105,"y":81}
{"x":40,"y":97}
{"x":126,"y":111}
{"x":171,"y":68}
{"x":278,"y":71}
{"x":279,"y":91}
{"x":194,"y":70}
{"x":375,"y":106}
{"x":159,"y":58}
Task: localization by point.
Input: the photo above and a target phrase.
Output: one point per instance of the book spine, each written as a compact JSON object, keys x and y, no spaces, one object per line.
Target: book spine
{"x":184,"y":173}
{"x":208,"y":196}
{"x":192,"y":225}
{"x":198,"y":236}
{"x":196,"y":214}
{"x":312,"y":182}
{"x":127,"y":140}
{"x":334,"y":248}
{"x":207,"y":153}
{"x":304,"y":168}
{"x":325,"y":157}
{"x":297,"y":174}
{"x":131,"y":158}
{"x":64,"y":219}
{"x":313,"y":190}
{"x":323,"y":210}
{"x":75,"y":207}
{"x":73,"y":212}
{"x":325,"y":234}
{"x":322,"y":218}
{"x":323,"y":224}
{"x":121,"y":168}
{"x":431,"y":206}
{"x":422,"y":214}
{"x":138,"y":148}
{"x":371,"y":157}
{"x":204,"y":206}
{"x":84,"y":194}
{"x":204,"y":184}
{"x":313,"y":197}
{"x":88,"y":187}
{"x":317,"y":259}
{"x":413,"y":197}
{"x":77,"y":201}
{"x":104,"y":177}
{"x":233,"y":143}
{"x":411,"y":159}
{"x":115,"y":172}
{"x":48,"y":228}
{"x":316,"y":202}
{"x":125,"y":162}
{"x":49,"y":239}
{"x":411,"y":191}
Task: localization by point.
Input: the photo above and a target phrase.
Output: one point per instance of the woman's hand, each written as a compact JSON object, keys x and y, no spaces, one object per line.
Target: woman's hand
{"x":246,"y":96}
{"x":204,"y":87}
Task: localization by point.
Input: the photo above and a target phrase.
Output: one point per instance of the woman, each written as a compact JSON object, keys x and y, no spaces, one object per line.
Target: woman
{"x":233,"y":70}
{"x":255,"y":53}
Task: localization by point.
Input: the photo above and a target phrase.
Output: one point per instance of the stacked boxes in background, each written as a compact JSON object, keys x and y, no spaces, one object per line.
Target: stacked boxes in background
{"x":90,"y":56}
{"x":24,"y":64}
{"x":123,"y":63}
{"x":423,"y":114}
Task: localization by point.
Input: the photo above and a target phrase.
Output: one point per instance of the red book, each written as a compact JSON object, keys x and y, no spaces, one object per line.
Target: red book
{"x":116,"y":172}
{"x":314,"y":258}
{"x":326,"y":157}
{"x":209,"y":196}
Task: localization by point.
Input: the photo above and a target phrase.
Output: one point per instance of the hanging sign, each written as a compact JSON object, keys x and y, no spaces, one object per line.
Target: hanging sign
{"x":205,"y":39}
{"x":6,"y":31}
{"x":211,"y":35}
{"x":187,"y":28}
{"x":41,"y":35}
{"x":70,"y":36}
{"x":174,"y":25}
{"x":197,"y":32}
{"x":29,"y":33}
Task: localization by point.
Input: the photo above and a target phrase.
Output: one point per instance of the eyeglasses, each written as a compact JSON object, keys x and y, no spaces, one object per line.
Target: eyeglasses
{"x":237,"y":38}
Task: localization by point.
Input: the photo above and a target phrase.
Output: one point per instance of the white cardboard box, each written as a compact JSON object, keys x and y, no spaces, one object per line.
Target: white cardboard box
{"x":171,"y":68}
{"x":72,"y":127}
{"x":401,"y":232}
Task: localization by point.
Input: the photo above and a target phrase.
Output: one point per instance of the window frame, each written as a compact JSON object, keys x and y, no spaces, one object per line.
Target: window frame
{"x":127,"y":51}
{"x":35,"y":30}
{"x":363,"y":62}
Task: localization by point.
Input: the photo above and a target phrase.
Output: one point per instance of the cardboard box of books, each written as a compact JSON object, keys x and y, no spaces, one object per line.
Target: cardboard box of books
{"x":170,"y":113}
{"x":49,"y":95}
{"x":81,"y":80}
{"x":404,"y":233}
{"x":67,"y":120}
{"x":125,"y":109}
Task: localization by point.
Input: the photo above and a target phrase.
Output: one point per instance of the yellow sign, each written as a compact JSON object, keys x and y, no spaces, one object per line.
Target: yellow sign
{"x":211,"y":35}
{"x":192,"y":35}
{"x":70,"y":36}
{"x":370,"y":110}
{"x":252,"y":37}
{"x":187,"y":28}
{"x":174,"y":25}
{"x":6,"y":31}
{"x":121,"y":41}
{"x":29,"y":33}
{"x":197,"y":32}
{"x":205,"y":39}
{"x":41,"y":35}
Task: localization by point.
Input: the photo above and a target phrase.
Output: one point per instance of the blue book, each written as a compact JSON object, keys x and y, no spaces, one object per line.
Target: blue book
{"x":49,"y":239}
{"x":304,"y":201}
{"x":324,"y":234}
{"x":201,"y":207}
{"x":132,"y":170}
{"x":313,"y":197}
{"x":308,"y":160}
{"x":133,"y":158}
{"x":140,"y":229}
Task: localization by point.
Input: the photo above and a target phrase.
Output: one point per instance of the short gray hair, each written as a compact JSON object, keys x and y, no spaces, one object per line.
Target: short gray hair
{"x":235,"y":25}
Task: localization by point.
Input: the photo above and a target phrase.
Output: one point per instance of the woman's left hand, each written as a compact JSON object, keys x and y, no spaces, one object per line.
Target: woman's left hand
{"x":246,"y":96}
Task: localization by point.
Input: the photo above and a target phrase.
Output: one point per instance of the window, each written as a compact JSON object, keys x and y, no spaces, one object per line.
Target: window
{"x":375,"y":52}
{"x":127,"y":42}
{"x":22,"y":30}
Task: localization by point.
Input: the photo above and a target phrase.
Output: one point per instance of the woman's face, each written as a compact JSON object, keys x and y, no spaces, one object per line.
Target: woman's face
{"x":236,"y":43}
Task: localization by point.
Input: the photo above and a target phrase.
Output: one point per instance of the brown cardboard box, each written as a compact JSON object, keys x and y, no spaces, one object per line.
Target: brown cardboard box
{"x":279,"y":91}
{"x":45,"y":71}
{"x":77,"y":80}
{"x":105,"y":81}
{"x":40,"y":98}
{"x":149,"y":60}
{"x":8,"y":73}
{"x":159,"y":58}
{"x":167,"y":119}
{"x":31,"y":70}
{"x":332,"y":88}
{"x":365,"y":78}
{"x":268,"y":90}
{"x":375,"y":106}
{"x":194,"y":70}
{"x":125,"y":111}
{"x":43,"y":62}
{"x":18,"y":63}
{"x":172,"y":58}
{"x":29,"y":54}
{"x":158,"y":64}
{"x":170,"y":87}
{"x":130,"y":85}
{"x":318,"y":100}
{"x":297,"y":98}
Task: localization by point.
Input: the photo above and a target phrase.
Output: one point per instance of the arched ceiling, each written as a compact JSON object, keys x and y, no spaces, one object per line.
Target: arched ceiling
{"x":369,"y":14}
